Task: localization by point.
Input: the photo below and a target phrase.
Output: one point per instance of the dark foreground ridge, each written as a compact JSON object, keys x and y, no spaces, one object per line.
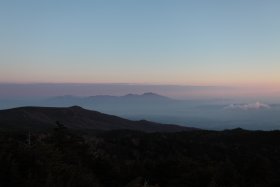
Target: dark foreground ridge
{"x":76,"y":117}
{"x":109,"y":156}
{"x":125,"y":158}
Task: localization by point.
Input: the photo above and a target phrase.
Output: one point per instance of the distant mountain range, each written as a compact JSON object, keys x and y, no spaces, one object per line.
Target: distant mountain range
{"x":76,"y":117}
{"x":69,"y":100}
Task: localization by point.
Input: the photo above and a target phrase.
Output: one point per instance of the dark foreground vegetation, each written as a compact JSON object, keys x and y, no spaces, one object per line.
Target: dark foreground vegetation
{"x":61,"y":157}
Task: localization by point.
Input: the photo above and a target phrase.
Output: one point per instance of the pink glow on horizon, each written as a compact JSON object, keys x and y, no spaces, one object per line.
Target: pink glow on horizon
{"x":175,"y":91}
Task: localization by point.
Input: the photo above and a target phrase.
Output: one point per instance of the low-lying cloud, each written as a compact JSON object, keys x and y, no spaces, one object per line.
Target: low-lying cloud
{"x":250,"y":106}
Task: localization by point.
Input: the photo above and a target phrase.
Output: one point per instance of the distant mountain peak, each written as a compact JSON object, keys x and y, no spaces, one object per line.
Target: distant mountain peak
{"x":131,"y":95}
{"x":150,"y":94}
{"x":146,"y":95}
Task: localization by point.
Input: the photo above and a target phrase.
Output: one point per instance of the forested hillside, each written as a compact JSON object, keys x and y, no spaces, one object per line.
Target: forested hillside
{"x":62,"y":157}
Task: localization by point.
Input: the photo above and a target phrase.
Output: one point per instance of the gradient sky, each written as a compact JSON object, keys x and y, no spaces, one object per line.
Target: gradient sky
{"x":189,"y":42}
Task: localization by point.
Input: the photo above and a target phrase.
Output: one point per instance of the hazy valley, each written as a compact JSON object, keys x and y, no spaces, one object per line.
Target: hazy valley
{"x":213,"y":114}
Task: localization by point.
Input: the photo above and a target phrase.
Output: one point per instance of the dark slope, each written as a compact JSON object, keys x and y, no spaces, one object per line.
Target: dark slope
{"x":77,"y":118}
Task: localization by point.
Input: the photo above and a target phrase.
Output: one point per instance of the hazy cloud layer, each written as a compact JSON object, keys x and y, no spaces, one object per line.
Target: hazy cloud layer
{"x":250,"y":106}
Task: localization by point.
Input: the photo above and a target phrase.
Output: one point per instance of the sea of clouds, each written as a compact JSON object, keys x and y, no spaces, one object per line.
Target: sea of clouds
{"x":249,"y":106}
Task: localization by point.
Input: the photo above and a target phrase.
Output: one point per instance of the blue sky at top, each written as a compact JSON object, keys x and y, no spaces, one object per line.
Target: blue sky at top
{"x":198,"y":42}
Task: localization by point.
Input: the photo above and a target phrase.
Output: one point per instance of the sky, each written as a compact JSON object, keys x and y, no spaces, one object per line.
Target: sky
{"x":181,"y":42}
